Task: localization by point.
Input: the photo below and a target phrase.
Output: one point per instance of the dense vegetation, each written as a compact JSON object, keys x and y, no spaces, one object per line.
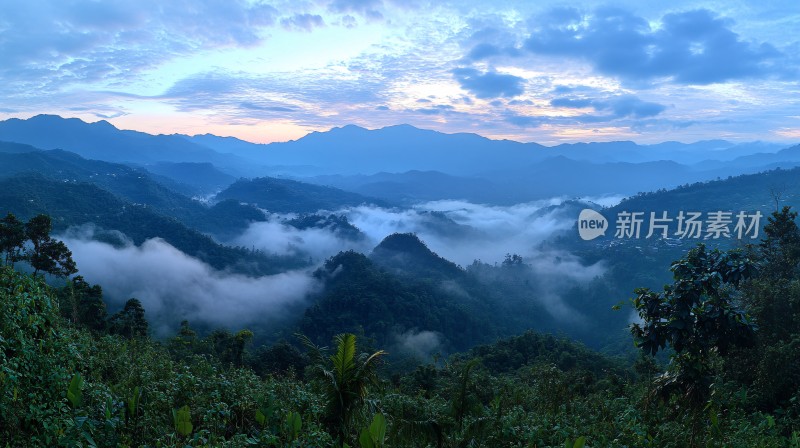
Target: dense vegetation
{"x":728,"y":323}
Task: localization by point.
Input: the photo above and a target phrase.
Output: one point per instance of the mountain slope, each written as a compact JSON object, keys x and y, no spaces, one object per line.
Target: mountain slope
{"x":290,"y":196}
{"x":74,"y":204}
{"x":417,"y":186}
{"x":204,"y":177}
{"x":362,"y":298}
{"x":406,"y":254}
{"x":103,"y":141}
{"x":130,"y":184}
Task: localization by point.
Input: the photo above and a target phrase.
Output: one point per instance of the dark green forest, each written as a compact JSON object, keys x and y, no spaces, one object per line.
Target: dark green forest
{"x":717,"y":362}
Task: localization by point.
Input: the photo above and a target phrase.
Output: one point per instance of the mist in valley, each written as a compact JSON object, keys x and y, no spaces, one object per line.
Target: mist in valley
{"x":174,"y":286}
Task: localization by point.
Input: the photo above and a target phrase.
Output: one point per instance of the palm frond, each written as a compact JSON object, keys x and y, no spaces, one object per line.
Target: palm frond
{"x":343,"y":364}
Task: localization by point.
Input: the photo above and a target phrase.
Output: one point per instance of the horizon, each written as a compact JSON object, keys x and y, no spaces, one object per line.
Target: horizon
{"x":789,"y":143}
{"x":276,"y":71}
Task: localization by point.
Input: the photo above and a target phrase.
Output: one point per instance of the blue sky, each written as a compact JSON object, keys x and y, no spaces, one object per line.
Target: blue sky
{"x":528,"y":71}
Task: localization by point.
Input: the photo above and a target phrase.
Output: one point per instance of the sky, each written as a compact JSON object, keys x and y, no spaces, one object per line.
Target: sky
{"x":269,"y":71}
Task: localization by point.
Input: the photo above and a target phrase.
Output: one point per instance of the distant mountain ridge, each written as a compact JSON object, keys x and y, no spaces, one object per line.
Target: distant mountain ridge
{"x":290,"y":196}
{"x":404,"y":164}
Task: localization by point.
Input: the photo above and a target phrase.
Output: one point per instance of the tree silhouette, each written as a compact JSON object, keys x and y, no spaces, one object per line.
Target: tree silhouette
{"x":47,"y":254}
{"x":130,"y":322}
{"x":83,"y":303}
{"x":12,"y":239}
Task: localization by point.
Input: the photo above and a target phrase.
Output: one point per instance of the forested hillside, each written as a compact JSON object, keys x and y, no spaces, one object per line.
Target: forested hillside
{"x":74,"y":204}
{"x":729,"y":322}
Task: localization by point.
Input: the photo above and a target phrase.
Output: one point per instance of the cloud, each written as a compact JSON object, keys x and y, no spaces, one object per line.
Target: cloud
{"x":490,"y":36}
{"x":173,"y":286}
{"x":254,"y":106}
{"x":303,"y":22}
{"x":420,"y":344}
{"x":489,"y":84}
{"x":48,"y":45}
{"x":349,"y":21}
{"x":693,"y":47}
{"x":275,"y":237}
{"x":619,"y":106}
{"x":524,"y":121}
{"x":367,"y":8}
{"x":462,"y":231}
{"x":437,"y":109}
{"x":237,"y":95}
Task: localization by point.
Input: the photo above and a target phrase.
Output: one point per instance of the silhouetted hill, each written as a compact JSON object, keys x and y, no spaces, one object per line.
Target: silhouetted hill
{"x":405,"y":253}
{"x":360,"y":297}
{"x":10,"y":147}
{"x":432,"y":165}
{"x":131,"y":184}
{"x":417,"y":186}
{"x":289,"y":196}
{"x":339,"y":225}
{"x":205,"y":177}
{"x":103,"y":141}
{"x":749,"y":192}
{"x":76,"y":203}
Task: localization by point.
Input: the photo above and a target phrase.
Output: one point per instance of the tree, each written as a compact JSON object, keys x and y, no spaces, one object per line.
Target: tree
{"x":279,"y":358}
{"x":697,"y":317}
{"x":781,"y":246}
{"x":185,"y":342}
{"x":345,"y":378}
{"x":771,"y":368}
{"x":53,"y":258}
{"x":47,"y":254}
{"x":83,"y":303}
{"x":229,"y":348}
{"x":12,"y":239}
{"x":130,"y":322}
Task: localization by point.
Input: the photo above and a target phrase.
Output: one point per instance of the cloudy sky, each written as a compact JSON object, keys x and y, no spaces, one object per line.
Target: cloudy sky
{"x":526,"y":70}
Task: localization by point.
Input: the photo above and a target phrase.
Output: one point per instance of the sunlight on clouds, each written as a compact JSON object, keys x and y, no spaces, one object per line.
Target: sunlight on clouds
{"x":789,"y":133}
{"x":407,"y":93}
{"x":256,"y":131}
{"x":740,"y":92}
{"x":607,"y":133}
{"x":251,"y":69}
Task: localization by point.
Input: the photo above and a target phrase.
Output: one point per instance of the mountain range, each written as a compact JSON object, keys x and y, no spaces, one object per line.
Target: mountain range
{"x":94,"y":175}
{"x":405,"y":164}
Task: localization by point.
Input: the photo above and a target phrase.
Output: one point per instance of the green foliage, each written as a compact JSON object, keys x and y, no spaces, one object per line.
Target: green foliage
{"x":75,"y":392}
{"x":696,"y":316}
{"x":293,"y":424}
{"x":47,"y":254}
{"x":362,"y":298}
{"x":374,"y":435}
{"x":580,"y":442}
{"x":37,"y":362}
{"x":771,"y":365}
{"x":780,"y":249}
{"x":83,"y":304}
{"x":182,"y":420}
{"x":12,"y":239}
{"x":74,"y":204}
{"x":345,"y":378}
{"x":63,"y":385}
{"x":130,"y":322}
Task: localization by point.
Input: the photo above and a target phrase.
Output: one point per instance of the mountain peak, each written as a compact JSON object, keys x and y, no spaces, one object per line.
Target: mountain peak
{"x":406,"y":253}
